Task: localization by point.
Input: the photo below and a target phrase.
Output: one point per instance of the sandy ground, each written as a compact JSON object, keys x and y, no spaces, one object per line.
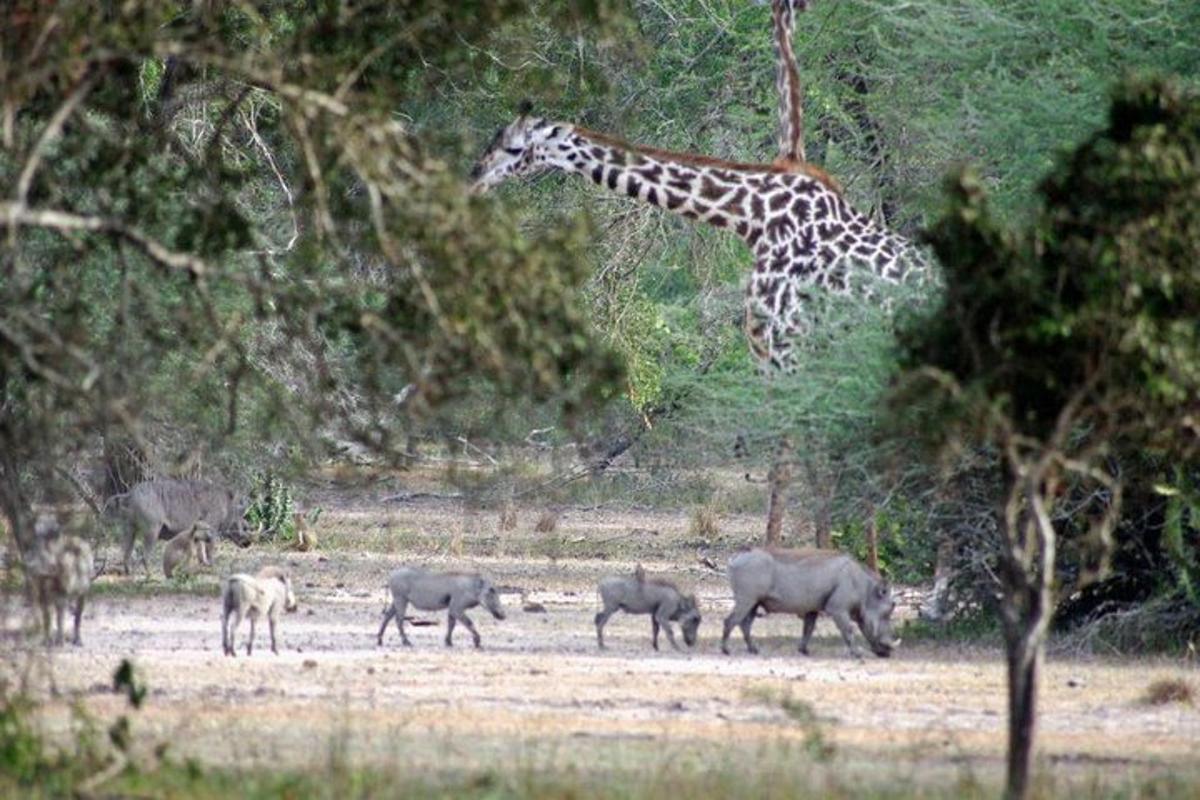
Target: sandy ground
{"x":540,"y":694}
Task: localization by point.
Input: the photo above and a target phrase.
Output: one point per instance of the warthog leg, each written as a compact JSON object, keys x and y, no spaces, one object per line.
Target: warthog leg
{"x":842,"y":620}
{"x":450,"y":622}
{"x":271,"y":627}
{"x":662,"y":619}
{"x":229,"y":632}
{"x":58,"y":616}
{"x":742,"y":616}
{"x":250,"y":641}
{"x":78,"y":613}
{"x":471,"y":627}
{"x":810,"y":624}
{"x":601,"y":621}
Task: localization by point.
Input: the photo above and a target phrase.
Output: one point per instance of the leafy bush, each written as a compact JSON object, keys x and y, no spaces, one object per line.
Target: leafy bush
{"x":272,"y":507}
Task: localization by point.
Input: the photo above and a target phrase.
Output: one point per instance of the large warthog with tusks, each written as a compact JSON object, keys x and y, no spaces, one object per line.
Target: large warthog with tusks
{"x":433,"y":591}
{"x":661,"y":599}
{"x":165,"y":509}
{"x":805,"y":583}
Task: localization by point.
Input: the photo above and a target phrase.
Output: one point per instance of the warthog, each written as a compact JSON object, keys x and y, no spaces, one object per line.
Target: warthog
{"x":164,"y":509}
{"x":61,"y":571}
{"x":659,"y":598}
{"x":805,"y":583}
{"x":267,"y":592}
{"x":179,"y":551}
{"x":433,"y":591}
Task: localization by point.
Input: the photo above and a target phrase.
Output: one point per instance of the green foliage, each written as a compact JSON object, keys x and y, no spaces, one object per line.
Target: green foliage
{"x":906,"y":544}
{"x":272,"y":507}
{"x":23,"y":757}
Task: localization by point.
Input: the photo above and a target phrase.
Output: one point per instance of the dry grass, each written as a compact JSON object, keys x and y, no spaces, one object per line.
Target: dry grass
{"x":1168,"y":690}
{"x":705,"y":522}
{"x":547,"y":522}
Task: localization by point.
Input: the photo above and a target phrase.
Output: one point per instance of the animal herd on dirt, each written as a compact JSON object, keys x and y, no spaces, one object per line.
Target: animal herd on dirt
{"x":804,"y":235}
{"x":764,"y":581}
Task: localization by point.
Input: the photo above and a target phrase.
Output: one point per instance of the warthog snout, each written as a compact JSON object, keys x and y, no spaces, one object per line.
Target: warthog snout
{"x":491,"y":601}
{"x":690,"y":625}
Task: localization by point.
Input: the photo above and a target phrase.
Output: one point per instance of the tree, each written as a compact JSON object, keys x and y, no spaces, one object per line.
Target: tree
{"x":217,"y":220}
{"x":1060,"y":345}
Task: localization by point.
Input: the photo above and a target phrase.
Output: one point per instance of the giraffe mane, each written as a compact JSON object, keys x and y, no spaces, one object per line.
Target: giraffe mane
{"x":779,"y":165}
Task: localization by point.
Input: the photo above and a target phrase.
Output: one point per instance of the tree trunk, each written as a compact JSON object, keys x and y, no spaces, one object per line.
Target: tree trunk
{"x":778,"y":480}
{"x":1025,"y":655}
{"x":872,"y":542}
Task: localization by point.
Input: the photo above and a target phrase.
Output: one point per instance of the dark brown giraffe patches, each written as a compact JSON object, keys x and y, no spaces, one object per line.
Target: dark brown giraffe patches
{"x":722,"y":175}
{"x":827,"y":255}
{"x":741,"y":228}
{"x":780,"y":227}
{"x":778,"y":201}
{"x":710,"y":190}
{"x":757,"y":208}
{"x":718,"y":220}
{"x":821,"y":207}
{"x":651,"y":173}
{"x":830,"y":230}
{"x":611,"y":178}
{"x":632,"y":186}
{"x":734,"y":204}
{"x":652,"y":196}
{"x":873,"y":238}
{"x":674,"y":201}
{"x":802,"y":268}
{"x":598,"y":174}
{"x":598,"y":153}
{"x":753,"y":236}
{"x":800,"y":210}
{"x":617,"y":158}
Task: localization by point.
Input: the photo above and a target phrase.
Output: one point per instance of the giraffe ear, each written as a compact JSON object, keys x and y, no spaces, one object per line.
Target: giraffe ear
{"x":525,"y":107}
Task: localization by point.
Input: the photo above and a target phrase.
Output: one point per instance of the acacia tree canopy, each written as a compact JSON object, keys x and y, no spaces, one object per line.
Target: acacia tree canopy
{"x":217,"y":213}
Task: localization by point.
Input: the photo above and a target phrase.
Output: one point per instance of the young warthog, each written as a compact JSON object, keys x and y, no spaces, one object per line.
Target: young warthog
{"x":164,"y":509}
{"x":61,"y":571}
{"x":179,"y":551}
{"x":433,"y":591}
{"x":805,"y":583}
{"x":267,"y":592}
{"x":660,"y":599}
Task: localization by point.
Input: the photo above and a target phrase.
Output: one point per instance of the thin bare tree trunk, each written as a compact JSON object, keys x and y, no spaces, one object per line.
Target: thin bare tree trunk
{"x":1024,"y":671}
{"x":778,"y":480}
{"x":872,"y":542}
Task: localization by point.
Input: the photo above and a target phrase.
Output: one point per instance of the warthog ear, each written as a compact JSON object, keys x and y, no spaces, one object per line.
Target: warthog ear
{"x":525,"y":107}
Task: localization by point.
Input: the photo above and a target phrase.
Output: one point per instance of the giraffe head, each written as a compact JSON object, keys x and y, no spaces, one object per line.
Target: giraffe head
{"x":515,"y":150}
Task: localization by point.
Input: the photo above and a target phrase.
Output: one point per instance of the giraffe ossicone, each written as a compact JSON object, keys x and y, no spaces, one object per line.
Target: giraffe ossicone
{"x":803,"y":233}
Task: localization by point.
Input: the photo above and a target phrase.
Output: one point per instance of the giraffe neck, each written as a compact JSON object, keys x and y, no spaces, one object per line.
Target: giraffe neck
{"x":717,"y":192}
{"x":787,"y":84}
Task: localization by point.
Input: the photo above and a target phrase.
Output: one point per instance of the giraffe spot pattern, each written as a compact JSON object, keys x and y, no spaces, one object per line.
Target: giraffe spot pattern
{"x":801,"y":232}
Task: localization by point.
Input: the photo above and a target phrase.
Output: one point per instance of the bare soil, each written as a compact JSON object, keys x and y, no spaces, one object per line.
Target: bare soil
{"x":539,"y":694}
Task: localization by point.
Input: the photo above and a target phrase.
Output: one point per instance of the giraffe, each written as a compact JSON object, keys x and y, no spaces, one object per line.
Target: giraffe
{"x":787,"y":82}
{"x":803,"y":233}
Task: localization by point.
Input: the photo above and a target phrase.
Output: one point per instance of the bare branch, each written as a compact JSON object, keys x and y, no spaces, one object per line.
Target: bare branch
{"x":16,"y":214}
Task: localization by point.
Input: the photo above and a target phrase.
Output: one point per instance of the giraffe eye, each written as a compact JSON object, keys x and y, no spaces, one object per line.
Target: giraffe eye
{"x":513,"y":151}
